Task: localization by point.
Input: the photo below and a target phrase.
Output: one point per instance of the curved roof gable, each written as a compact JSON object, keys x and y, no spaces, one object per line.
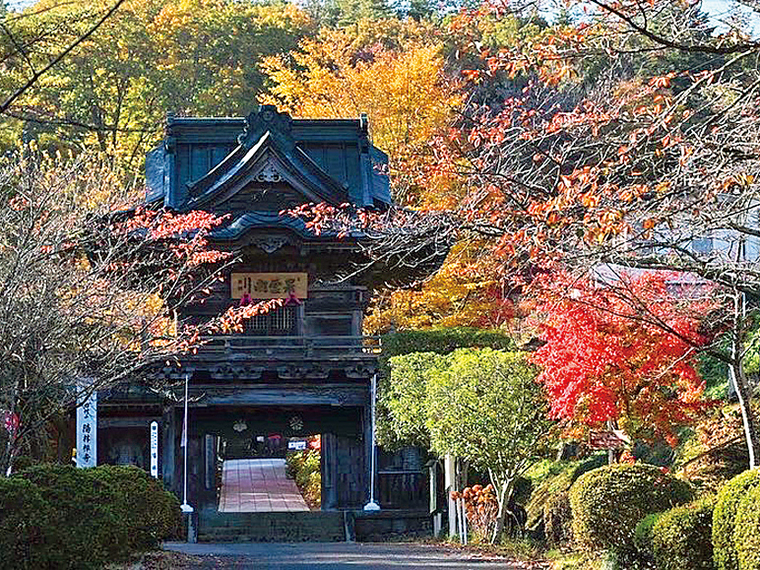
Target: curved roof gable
{"x":205,"y":162}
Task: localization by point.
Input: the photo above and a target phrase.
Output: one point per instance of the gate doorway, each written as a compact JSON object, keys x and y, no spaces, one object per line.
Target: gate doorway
{"x":253,"y":476}
{"x":258,"y":486}
{"x":242,"y":455}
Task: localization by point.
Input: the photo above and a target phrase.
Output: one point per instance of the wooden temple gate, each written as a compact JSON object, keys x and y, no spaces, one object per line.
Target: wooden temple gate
{"x":304,"y":369}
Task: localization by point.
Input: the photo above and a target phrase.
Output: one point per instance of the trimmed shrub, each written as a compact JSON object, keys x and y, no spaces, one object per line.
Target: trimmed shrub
{"x":24,"y":522}
{"x":642,"y":539}
{"x":150,"y":513}
{"x":558,"y":519}
{"x":607,"y":503}
{"x":747,"y":531}
{"x":724,"y":518}
{"x":682,"y":537}
{"x":85,"y":531}
{"x":567,"y":474}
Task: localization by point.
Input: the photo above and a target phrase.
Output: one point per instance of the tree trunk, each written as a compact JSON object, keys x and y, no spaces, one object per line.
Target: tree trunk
{"x":741,"y":384}
{"x":744,"y":394}
{"x":503,"y":495}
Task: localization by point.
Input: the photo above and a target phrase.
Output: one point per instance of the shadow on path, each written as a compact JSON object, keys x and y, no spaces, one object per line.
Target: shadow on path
{"x":335,"y":556}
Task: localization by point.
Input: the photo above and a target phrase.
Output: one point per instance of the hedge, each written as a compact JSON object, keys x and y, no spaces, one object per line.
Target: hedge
{"x":85,"y":530}
{"x":557,"y":484}
{"x":747,"y":531}
{"x":642,"y":539}
{"x":87,"y":518}
{"x":607,"y":503}
{"x":442,"y":341}
{"x":150,"y":513}
{"x":24,"y":524}
{"x":558,"y":519}
{"x":724,"y":518}
{"x":682,"y":537}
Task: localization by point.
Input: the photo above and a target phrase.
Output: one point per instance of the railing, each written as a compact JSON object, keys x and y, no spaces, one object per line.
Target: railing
{"x":292,"y":346}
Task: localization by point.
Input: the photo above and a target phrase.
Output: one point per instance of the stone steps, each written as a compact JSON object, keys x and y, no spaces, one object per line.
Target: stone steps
{"x":313,"y":526}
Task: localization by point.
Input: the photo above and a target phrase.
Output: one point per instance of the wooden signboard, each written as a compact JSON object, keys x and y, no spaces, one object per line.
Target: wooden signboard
{"x":605,"y":440}
{"x":269,"y":285}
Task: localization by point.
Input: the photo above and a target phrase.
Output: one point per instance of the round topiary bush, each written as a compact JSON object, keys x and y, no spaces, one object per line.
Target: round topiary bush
{"x":24,"y":523}
{"x":149,"y":512}
{"x":724,"y":518}
{"x":747,"y":531}
{"x":609,"y":502}
{"x":682,"y":537}
{"x":642,"y":540}
{"x":85,"y":530}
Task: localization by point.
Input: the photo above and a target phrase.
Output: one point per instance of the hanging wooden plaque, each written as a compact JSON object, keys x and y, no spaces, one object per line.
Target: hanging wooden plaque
{"x":270,"y":285}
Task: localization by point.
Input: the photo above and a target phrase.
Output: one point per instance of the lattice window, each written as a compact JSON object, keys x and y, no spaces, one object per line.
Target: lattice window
{"x":282,"y":321}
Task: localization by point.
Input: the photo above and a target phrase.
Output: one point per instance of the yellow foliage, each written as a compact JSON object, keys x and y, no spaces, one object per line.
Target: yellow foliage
{"x":403,"y":90}
{"x":461,"y":294}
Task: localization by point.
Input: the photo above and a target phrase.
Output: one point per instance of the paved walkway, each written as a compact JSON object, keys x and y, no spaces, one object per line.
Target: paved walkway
{"x":257,"y":486}
{"x":335,"y":556}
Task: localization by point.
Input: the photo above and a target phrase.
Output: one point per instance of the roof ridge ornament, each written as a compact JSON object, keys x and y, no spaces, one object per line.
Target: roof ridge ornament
{"x":265,"y":118}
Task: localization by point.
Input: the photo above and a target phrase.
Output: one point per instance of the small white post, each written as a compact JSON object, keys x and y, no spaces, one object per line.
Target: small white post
{"x":372,"y":505}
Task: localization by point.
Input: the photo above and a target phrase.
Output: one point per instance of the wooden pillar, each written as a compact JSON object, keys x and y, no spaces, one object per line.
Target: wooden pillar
{"x":368,"y":451}
{"x":329,"y":467}
{"x":168,"y":450}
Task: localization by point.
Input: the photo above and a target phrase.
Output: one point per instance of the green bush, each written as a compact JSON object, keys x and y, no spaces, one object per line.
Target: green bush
{"x":555,"y":478}
{"x":304,"y":467}
{"x":442,"y":341}
{"x":607,"y":503}
{"x":747,"y":531}
{"x":724,"y":518}
{"x":558,"y":518}
{"x":150,"y":513}
{"x":642,"y":539}
{"x":682,"y":537}
{"x":24,"y":522}
{"x":85,"y":531}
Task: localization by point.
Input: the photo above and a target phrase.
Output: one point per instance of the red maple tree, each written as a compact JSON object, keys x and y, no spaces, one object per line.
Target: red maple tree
{"x":606,"y":360}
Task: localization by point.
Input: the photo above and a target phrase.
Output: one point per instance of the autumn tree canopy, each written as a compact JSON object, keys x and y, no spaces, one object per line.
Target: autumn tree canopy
{"x":90,"y":284}
{"x":601,"y":365}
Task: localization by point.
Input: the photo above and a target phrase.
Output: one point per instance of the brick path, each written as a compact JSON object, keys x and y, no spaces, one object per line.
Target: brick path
{"x":258,"y":485}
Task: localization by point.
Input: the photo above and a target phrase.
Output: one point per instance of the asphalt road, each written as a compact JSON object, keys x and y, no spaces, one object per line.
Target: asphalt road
{"x":334,"y":556}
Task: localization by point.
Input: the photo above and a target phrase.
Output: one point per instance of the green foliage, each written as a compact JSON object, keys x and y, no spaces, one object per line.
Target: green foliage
{"x":150,"y":513}
{"x":85,"y":530}
{"x":715,"y":374}
{"x":558,"y":518}
{"x":607,"y":503}
{"x":642,"y":538}
{"x":724,"y":518}
{"x":552,"y":478}
{"x":486,"y":407}
{"x":747,"y":531}
{"x":400,"y":421}
{"x":442,"y":341}
{"x":149,"y":58}
{"x":304,"y":468}
{"x":95,"y":516}
{"x":682,"y":537}
{"x":405,"y":397}
{"x":24,"y":525}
